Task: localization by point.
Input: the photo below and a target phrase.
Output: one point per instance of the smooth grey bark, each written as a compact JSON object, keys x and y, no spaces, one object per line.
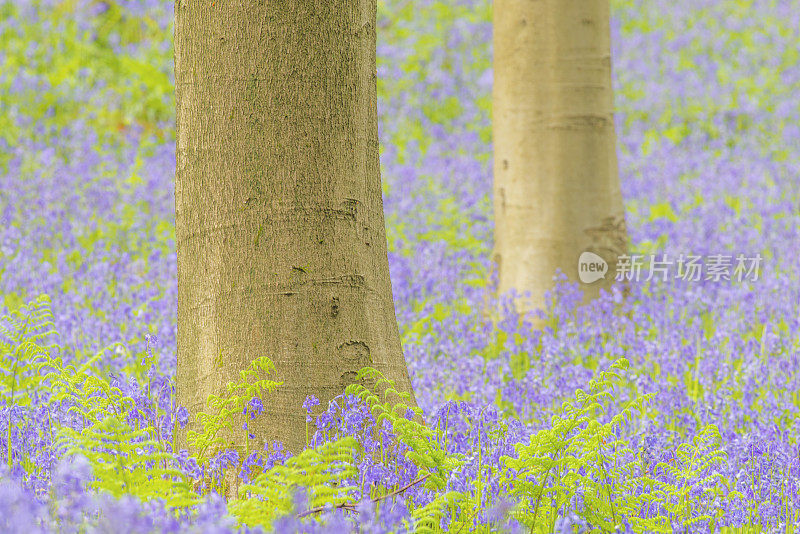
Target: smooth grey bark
{"x":280,"y":231}
{"x":556,"y":182}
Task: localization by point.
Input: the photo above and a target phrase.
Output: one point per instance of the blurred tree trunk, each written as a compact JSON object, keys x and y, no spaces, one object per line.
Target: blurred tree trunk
{"x":280,"y":231}
{"x":556,"y":183}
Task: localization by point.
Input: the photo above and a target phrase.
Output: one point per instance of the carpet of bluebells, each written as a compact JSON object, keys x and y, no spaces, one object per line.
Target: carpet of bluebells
{"x":707,"y":120}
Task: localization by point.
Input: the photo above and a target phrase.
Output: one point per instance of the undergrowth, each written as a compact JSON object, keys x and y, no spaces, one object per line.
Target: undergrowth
{"x":580,"y":465}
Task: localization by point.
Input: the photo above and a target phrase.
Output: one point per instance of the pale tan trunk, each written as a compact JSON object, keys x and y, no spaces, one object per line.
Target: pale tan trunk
{"x":556,"y":184}
{"x":279,"y":217}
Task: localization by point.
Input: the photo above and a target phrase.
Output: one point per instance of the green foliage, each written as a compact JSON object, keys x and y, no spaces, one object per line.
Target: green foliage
{"x":211,"y":440}
{"x":562,"y":453}
{"x":129,"y":462}
{"x":428,"y":518}
{"x":424,"y":447}
{"x":68,"y":55}
{"x":323,"y":473}
{"x":124,"y":460}
{"x":576,"y":455}
{"x":23,"y":330}
{"x":575,"y":464}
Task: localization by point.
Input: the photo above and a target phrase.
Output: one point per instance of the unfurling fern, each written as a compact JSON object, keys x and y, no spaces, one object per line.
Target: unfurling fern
{"x":434,"y":463}
{"x":324,"y":473}
{"x":129,"y":462}
{"x":211,"y":440}
{"x":125,"y":461}
{"x":22,"y":331}
{"x":548,"y":472}
{"x":425,"y":451}
{"x":579,"y":463}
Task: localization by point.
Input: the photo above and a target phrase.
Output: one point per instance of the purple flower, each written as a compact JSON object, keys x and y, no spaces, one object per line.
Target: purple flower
{"x":182,"y":416}
{"x":254,"y":407}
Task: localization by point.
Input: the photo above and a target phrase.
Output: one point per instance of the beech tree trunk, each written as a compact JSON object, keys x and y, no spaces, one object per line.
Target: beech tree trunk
{"x":556,"y":183}
{"x":280,"y":231}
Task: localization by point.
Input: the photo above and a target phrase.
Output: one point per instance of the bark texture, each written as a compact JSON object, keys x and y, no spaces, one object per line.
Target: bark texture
{"x":280,"y":231}
{"x":556,"y":182}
